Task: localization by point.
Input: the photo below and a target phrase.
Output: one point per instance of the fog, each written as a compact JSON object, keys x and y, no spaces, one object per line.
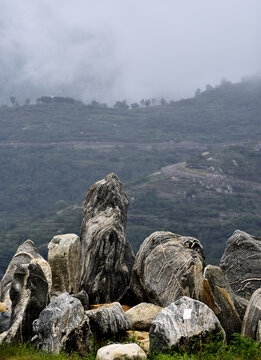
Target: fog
{"x":112,"y":50}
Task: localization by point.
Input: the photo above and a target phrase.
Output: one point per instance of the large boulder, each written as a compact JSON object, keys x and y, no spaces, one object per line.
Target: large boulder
{"x":130,"y":351}
{"x":63,"y":257}
{"x":29,"y":296}
{"x":252,"y":320}
{"x":241,"y":263}
{"x":142,"y":315}
{"x":184,"y":323}
{"x":167,"y":266}
{"x":218,"y":295}
{"x":26,"y":253}
{"x":106,"y":256}
{"x":56,"y":322}
{"x":108,"y":319}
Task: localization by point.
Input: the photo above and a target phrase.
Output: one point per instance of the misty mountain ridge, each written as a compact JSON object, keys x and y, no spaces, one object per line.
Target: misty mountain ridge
{"x":190,"y":167}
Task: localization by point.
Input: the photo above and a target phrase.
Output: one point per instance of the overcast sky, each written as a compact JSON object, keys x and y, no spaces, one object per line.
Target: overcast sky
{"x":126,"y":49}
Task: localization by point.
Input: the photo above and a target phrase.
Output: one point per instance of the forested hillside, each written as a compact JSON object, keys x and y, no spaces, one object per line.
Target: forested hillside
{"x":191,"y":166}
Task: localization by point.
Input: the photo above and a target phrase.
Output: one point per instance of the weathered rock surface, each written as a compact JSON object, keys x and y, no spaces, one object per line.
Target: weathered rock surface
{"x":84,"y":298}
{"x":183,"y":323}
{"x":2,"y":307}
{"x":108,"y":319}
{"x":106,"y":255}
{"x":29,"y":296}
{"x":130,"y":351}
{"x":252,"y":319}
{"x":216,"y":278}
{"x":167,"y":266}
{"x":142,"y":315}
{"x":218,"y":295}
{"x":4,"y":321}
{"x":142,"y":338}
{"x":78,"y":339}
{"x":55,"y":323}
{"x":25,"y":254}
{"x":63,"y":257}
{"x":241,"y":263}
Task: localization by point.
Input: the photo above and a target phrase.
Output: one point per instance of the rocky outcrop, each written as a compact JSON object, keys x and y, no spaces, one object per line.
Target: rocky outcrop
{"x":142,"y":315}
{"x":63,"y":257}
{"x":252,"y":319}
{"x":183,"y":324}
{"x":218,"y":295}
{"x":106,"y":256}
{"x":167,"y":266}
{"x":130,"y":351}
{"x":25,"y":254}
{"x":108,"y":319}
{"x":241,"y":263}
{"x":29,"y":296}
{"x":56,"y":322}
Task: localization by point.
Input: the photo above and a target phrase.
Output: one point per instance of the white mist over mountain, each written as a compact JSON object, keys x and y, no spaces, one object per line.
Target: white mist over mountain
{"x":125,"y":49}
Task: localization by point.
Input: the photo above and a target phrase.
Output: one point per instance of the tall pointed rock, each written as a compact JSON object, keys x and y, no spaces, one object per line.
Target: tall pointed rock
{"x":106,"y":257}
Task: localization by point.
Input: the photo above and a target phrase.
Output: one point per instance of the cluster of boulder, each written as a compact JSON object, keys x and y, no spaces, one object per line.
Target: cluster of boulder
{"x":93,"y":286}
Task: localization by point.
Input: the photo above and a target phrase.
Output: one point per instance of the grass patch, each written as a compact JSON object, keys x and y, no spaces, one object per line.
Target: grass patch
{"x":240,"y":348}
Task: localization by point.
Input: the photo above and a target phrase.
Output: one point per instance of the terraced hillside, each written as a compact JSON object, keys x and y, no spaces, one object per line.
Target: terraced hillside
{"x":191,"y":166}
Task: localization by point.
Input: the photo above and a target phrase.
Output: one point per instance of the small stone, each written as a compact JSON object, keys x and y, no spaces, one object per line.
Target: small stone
{"x":130,"y":351}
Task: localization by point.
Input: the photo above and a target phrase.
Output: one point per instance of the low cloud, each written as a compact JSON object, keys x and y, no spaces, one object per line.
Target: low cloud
{"x":113,"y":50}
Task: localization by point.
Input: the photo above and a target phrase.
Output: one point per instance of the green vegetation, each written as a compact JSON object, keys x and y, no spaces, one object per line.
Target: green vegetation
{"x":240,"y":349}
{"x":52,"y":151}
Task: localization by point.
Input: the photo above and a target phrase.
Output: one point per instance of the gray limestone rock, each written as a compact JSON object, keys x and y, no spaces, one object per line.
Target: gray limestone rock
{"x":252,"y":319}
{"x":25,"y":254}
{"x":108,"y":319}
{"x":55,"y":323}
{"x":183,"y":324}
{"x":63,"y":257}
{"x":241,"y":263}
{"x":218,"y":295}
{"x":79,"y":339}
{"x":106,"y":256}
{"x":167,"y":266}
{"x":4,"y":321}
{"x":84,"y":298}
{"x":29,"y":296}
